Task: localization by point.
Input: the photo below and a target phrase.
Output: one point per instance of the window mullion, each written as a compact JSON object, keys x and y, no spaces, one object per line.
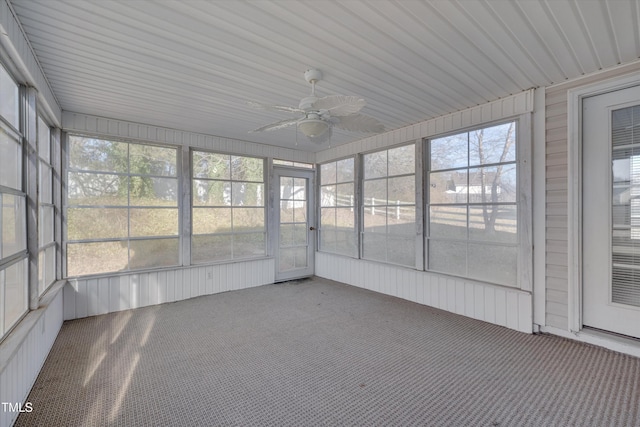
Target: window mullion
{"x":420,"y":173}
{"x":358,"y":202}
{"x":466,"y":243}
{"x":3,"y":298}
{"x":29,"y":120}
{"x":185,"y":218}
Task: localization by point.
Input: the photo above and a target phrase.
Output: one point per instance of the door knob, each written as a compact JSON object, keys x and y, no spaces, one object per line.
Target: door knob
{"x":312,"y":228}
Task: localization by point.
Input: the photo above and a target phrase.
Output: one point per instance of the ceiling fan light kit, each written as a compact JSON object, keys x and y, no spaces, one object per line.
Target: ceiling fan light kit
{"x":313,"y":128}
{"x":321,"y":114}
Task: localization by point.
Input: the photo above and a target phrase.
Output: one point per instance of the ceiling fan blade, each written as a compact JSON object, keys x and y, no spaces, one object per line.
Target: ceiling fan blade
{"x":322,"y":138}
{"x":259,"y":106}
{"x":340,"y":105}
{"x":277,"y":125}
{"x":358,"y":123}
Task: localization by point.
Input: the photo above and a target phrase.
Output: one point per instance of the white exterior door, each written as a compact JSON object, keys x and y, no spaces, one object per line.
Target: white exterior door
{"x":296,"y":237}
{"x":611,"y":211}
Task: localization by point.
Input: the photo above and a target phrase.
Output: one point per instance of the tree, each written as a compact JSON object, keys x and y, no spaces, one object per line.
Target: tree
{"x":505,"y":140}
{"x":475,"y":167}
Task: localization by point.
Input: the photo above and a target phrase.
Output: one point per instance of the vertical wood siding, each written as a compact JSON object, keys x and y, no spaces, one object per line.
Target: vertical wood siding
{"x":93,"y":296}
{"x":25,"y":352}
{"x":511,"y":308}
{"x":556,"y":179}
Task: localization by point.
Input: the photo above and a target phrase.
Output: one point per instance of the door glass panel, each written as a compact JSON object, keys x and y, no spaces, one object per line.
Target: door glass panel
{"x":286,"y":212}
{"x":293,"y":242}
{"x":300,"y":212}
{"x":625,"y":251}
{"x":301,"y":257}
{"x":293,"y":258}
{"x":300,"y":189}
{"x":287,"y":259}
{"x":286,"y":234}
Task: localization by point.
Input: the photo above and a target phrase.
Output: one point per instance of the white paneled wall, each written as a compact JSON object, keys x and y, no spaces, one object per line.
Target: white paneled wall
{"x":499,"y":305}
{"x":503,"y":306}
{"x":25,"y":350}
{"x":94,"y":125}
{"x":93,"y":296}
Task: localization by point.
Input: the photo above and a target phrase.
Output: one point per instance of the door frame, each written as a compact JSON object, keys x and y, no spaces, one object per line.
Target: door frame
{"x":311,"y":218}
{"x":575,"y":99}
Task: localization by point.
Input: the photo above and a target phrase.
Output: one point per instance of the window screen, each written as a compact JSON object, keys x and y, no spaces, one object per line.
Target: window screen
{"x":13,"y":209}
{"x":122,"y":206}
{"x":337,"y":207}
{"x":473,"y":209}
{"x":228,"y":212}
{"x":389,"y":210}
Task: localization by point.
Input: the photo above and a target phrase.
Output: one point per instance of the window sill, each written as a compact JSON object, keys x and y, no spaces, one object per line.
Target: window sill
{"x":163,"y":269}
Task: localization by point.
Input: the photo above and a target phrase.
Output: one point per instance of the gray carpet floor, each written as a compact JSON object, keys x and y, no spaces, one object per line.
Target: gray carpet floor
{"x":320,"y":353}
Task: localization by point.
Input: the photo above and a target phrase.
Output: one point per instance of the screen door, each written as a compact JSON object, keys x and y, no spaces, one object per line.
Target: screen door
{"x":296,"y":237}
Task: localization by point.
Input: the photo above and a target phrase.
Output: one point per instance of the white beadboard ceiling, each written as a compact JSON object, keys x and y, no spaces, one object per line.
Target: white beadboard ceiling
{"x":192,"y":65}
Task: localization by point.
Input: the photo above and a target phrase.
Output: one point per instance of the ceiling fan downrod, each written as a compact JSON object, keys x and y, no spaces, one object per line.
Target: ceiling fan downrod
{"x":312,"y":76}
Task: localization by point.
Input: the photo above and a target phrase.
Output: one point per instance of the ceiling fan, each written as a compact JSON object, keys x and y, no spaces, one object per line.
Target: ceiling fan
{"x":320,"y":115}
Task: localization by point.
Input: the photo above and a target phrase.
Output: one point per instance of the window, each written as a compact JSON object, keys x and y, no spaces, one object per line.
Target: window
{"x":473,"y":210}
{"x":121,"y":205}
{"x":13,"y":227}
{"x":337,"y":207}
{"x":389,"y":211}
{"x":9,"y":94}
{"x":46,"y":210}
{"x":293,"y":164}
{"x":228,"y":215}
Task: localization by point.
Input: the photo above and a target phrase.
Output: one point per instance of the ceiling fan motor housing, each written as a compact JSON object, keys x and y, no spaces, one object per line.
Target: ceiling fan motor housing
{"x":306,"y":104}
{"x":312,"y":75}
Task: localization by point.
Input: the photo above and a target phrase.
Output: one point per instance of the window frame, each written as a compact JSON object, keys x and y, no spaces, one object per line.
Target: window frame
{"x":522,"y":200}
{"x":293,"y":164}
{"x":128,"y":206}
{"x":50,"y":246}
{"x":192,"y":178}
{"x":15,"y":259}
{"x":416,"y":200}
{"x":354,"y":206}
